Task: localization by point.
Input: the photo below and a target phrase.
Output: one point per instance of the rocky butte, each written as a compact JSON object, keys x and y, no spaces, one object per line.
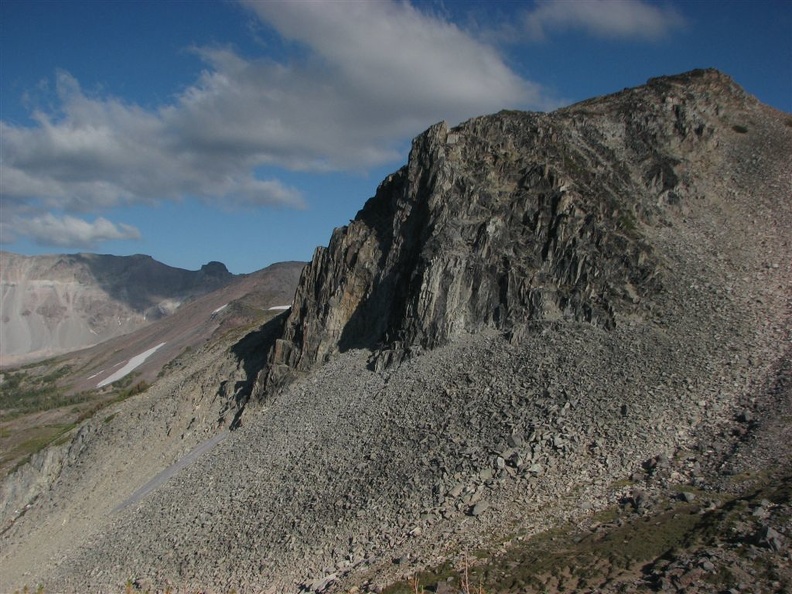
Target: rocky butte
{"x":579,"y":318}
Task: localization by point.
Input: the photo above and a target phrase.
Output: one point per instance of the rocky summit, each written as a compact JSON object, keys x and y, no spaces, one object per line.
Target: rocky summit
{"x":545,"y":334}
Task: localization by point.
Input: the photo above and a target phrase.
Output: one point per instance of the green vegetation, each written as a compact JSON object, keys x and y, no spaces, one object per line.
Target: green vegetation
{"x":425,"y":579}
{"x":29,"y":391}
{"x":123,"y":394}
{"x":563,"y":559}
{"x":618,"y":545}
{"x":627,"y":222}
{"x":739,"y":129}
{"x":23,"y":392}
{"x":568,"y":559}
{"x":37,"y":439}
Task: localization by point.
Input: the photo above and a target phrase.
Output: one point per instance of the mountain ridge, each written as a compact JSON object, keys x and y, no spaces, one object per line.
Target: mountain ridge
{"x":58,"y":303}
{"x":572,"y":218}
{"x":539,"y":319}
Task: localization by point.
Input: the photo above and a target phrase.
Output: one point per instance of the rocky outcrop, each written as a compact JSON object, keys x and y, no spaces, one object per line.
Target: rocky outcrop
{"x":29,"y":481}
{"x":510,"y":218}
{"x":56,"y":304}
{"x":590,"y":312}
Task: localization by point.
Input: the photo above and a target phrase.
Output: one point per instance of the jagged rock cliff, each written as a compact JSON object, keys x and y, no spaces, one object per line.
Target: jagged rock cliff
{"x":60,"y":303}
{"x":511,"y":218}
{"x":540,"y":317}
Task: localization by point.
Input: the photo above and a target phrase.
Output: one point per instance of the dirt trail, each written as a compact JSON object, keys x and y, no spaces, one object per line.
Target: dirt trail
{"x":172,"y":470}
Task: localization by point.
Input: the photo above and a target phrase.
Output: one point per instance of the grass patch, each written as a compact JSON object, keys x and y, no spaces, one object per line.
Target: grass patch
{"x":566,"y":559}
{"x":563,"y":559}
{"x":622,"y":483}
{"x":24,"y":391}
{"x":609,"y":514}
{"x":426,"y":579}
{"x":740,"y":129}
{"x":627,"y":222}
{"x":40,"y":438}
{"x":119,"y":396}
{"x":27,"y":392}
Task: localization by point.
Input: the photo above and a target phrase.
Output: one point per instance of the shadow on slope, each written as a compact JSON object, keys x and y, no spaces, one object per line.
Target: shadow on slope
{"x":142,"y":282}
{"x":251,"y":353}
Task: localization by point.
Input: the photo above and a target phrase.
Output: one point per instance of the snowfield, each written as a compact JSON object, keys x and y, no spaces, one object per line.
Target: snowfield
{"x":133,"y":363}
{"x":218,"y":310}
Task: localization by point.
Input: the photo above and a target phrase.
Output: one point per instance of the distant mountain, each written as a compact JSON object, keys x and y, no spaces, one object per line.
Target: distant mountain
{"x":59,"y":303}
{"x":241,"y":304}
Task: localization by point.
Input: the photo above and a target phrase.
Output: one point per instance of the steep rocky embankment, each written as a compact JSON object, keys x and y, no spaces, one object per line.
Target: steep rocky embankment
{"x":521,"y":216}
{"x":541,"y":316}
{"x":61,"y":303}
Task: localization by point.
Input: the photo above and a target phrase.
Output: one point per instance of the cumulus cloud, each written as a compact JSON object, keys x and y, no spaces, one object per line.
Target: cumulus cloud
{"x":370,"y":75}
{"x":398,"y":59}
{"x":636,"y":19}
{"x":98,"y":153}
{"x":376,"y":73}
{"x":70,"y":232}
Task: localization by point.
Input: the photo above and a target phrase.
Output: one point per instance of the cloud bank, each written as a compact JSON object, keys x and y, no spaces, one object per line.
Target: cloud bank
{"x":372,"y":75}
{"x":66,"y":231}
{"x":622,"y":19}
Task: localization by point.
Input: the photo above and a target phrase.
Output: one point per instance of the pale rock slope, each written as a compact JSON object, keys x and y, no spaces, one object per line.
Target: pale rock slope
{"x":55,"y":304}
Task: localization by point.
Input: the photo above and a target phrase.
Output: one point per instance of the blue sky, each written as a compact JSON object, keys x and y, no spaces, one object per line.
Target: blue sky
{"x":245,"y":131}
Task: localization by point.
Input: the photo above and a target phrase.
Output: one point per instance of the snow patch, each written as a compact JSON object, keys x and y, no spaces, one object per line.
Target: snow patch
{"x":218,"y":310}
{"x":133,"y":363}
{"x":279,"y":308}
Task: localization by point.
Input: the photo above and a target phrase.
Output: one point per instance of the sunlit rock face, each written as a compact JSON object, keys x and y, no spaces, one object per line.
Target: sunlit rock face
{"x":539,"y":318}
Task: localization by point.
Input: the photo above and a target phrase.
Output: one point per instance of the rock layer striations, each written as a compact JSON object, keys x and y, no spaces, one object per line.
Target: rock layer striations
{"x":511,"y":218}
{"x":539,"y":317}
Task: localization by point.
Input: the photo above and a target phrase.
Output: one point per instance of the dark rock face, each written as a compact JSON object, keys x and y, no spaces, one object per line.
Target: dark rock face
{"x":506,"y":219}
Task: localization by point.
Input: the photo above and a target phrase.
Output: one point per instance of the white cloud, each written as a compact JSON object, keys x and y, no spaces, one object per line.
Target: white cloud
{"x":99,"y":153}
{"x":636,"y":19}
{"x":69,"y":232}
{"x":400,"y":59}
{"x":372,"y":75}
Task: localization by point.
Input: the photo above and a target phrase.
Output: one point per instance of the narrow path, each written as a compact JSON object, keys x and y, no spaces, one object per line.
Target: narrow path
{"x":171,"y":470}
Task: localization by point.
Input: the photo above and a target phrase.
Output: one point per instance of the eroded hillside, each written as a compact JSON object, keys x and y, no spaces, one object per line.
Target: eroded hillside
{"x":542,"y":319}
{"x":61,"y":303}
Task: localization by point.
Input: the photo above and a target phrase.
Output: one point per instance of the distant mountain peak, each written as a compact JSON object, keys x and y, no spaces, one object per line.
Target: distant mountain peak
{"x":62,"y":302}
{"x":215,"y":268}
